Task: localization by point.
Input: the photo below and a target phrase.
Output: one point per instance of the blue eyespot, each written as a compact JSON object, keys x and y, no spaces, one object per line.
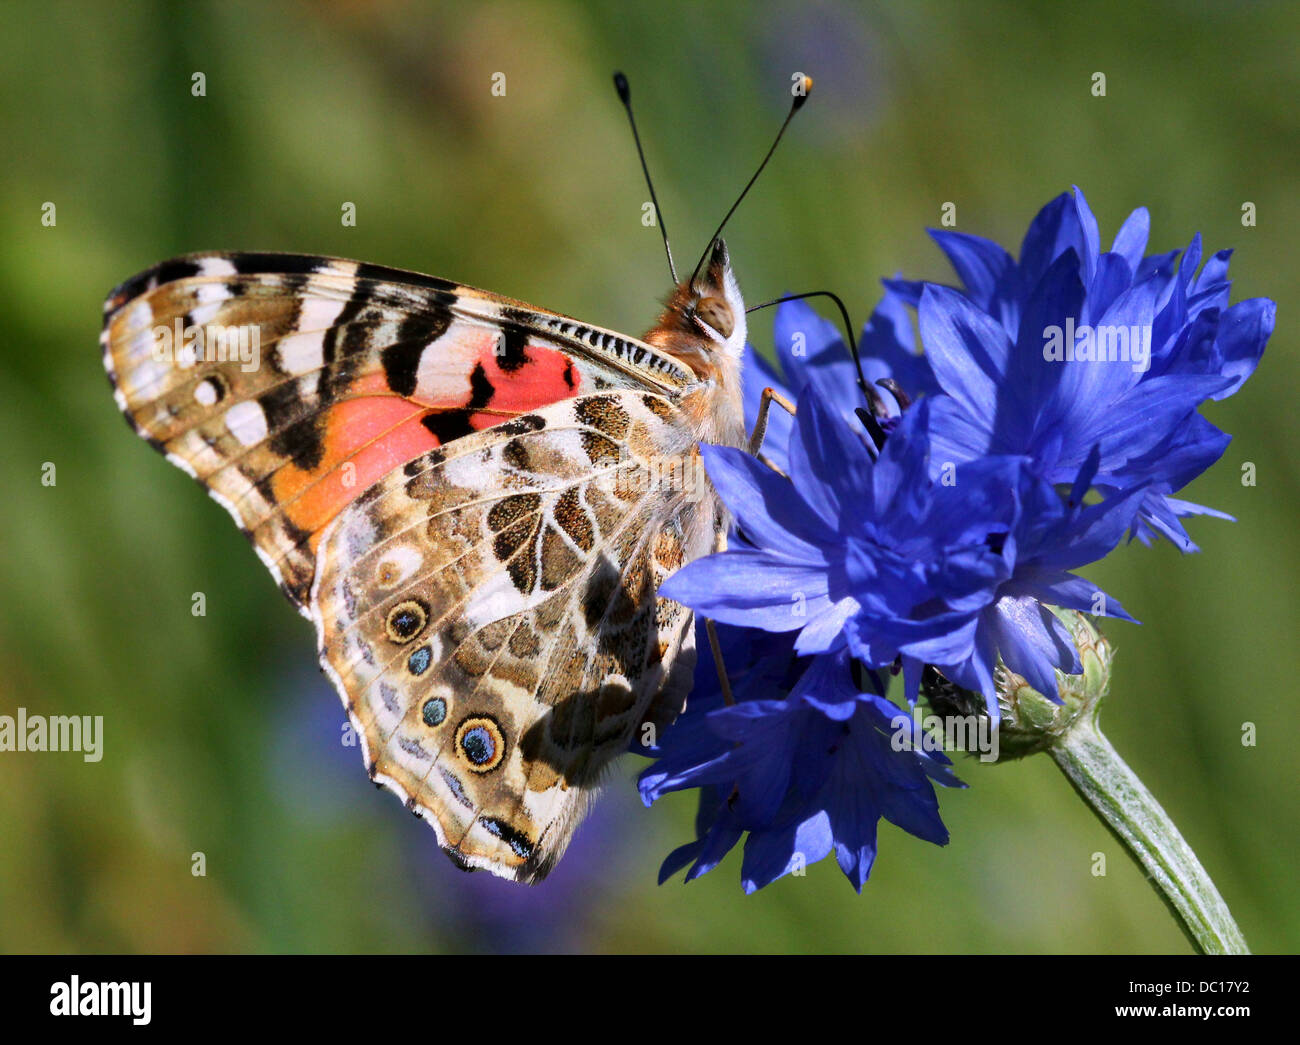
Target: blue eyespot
{"x":478,"y":746}
{"x":434,"y":711}
{"x":418,"y":663}
{"x":481,"y":742}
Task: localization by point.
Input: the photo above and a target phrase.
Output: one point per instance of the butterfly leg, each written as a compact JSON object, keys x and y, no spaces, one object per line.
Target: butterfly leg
{"x":723,"y":681}
{"x":769,"y":397}
{"x":719,"y":545}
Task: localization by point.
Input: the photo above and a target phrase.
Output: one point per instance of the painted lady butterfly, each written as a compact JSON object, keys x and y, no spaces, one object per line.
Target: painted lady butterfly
{"x":466,"y":495}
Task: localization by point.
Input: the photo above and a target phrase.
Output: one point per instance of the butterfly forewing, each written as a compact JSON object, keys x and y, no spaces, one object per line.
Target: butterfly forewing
{"x":402,"y":450}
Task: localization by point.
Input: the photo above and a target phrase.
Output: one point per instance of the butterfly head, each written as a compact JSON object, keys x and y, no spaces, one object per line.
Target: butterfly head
{"x":703,"y":323}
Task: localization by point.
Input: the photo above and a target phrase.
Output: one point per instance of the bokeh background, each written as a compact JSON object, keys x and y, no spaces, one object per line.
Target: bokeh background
{"x":220,"y":735}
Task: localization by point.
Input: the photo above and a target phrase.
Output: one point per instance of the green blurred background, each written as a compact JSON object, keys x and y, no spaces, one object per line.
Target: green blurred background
{"x":220,"y":735}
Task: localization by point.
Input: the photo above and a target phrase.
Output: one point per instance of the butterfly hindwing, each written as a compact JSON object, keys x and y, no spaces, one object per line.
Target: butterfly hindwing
{"x":490,"y":611}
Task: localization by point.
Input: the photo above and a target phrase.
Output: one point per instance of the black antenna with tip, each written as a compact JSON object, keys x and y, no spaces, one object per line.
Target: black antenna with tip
{"x":801,"y":96}
{"x":625,"y":96}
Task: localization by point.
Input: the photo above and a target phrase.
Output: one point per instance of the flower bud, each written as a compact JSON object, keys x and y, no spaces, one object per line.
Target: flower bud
{"x":1030,"y":722}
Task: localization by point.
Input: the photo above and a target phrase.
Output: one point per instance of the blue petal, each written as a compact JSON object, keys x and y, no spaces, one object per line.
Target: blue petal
{"x":772,"y":854}
{"x":1146,"y":415}
{"x":1131,"y":239}
{"x":823,"y":630}
{"x":713,"y":848}
{"x":833,"y":468}
{"x":1090,"y":234}
{"x":1112,"y":278}
{"x":981,"y":264}
{"x":1030,"y":645}
{"x":957,"y":435}
{"x":1094,"y":532}
{"x":1031,"y":380}
{"x":974,"y":670}
{"x":765,"y":505}
{"x":1183,"y":508}
{"x":828,"y":686}
{"x":1088,"y":390}
{"x":751,"y":589}
{"x":1215,"y":271}
{"x":966,"y":348}
{"x":938,"y":640}
{"x":812,"y":351}
{"x":888,"y":349}
{"x":1058,"y":588}
{"x":908,"y":290}
{"x":757,"y":374}
{"x":1190,"y":450}
{"x":1054,"y":230}
{"x":901,"y":475}
{"x":1244,"y":330}
{"x":1160,"y":265}
{"x":1083,"y":482}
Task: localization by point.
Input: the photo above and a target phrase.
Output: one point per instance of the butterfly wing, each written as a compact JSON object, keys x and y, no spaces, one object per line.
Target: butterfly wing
{"x":490,"y":611}
{"x":317,"y":387}
{"x":314,"y":377}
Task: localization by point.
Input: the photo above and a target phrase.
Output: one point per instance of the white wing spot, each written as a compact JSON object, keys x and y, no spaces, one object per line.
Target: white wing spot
{"x":247,"y":422}
{"x":304,"y":351}
{"x":211,"y":293}
{"x":141,"y":315}
{"x":400,"y":564}
{"x":148,"y":379}
{"x":320,"y":313}
{"x":205,"y":393}
{"x":217,"y":267}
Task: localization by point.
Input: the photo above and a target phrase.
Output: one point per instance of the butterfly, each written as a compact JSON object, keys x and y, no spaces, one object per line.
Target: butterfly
{"x":472,"y":499}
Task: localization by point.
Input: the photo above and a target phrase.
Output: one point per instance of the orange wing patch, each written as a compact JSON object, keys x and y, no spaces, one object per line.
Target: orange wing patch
{"x":375,"y":429}
{"x":363,"y":440}
{"x":352,"y":377}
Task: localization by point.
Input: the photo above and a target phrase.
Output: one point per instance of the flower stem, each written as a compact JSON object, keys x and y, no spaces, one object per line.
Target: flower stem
{"x":1123,"y":803}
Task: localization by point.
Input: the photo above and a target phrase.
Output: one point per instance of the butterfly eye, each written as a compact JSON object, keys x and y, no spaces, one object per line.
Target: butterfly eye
{"x":717,"y":314}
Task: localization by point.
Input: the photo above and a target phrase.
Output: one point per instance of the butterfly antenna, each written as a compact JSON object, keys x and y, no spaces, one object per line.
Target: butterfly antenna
{"x":625,"y":96}
{"x":804,"y":88}
{"x":872,"y":396}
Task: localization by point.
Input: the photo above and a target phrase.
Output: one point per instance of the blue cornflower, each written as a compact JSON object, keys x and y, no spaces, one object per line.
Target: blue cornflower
{"x":878,"y":557}
{"x":1072,"y":348}
{"x":810,"y":769}
{"x":898,"y":536}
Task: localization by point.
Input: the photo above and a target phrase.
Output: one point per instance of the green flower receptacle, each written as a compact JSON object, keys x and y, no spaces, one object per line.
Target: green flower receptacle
{"x":1030,"y":721}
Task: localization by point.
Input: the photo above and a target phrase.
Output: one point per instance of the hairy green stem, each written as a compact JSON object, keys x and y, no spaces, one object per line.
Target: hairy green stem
{"x":1123,"y":803}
